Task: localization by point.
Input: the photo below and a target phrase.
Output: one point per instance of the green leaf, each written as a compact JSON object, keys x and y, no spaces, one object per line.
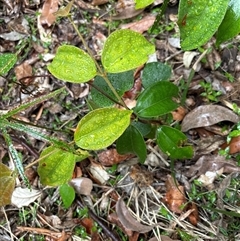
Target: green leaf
{"x":121,"y":83}
{"x":144,"y":128}
{"x":155,"y":72}
{"x":5,"y":170}
{"x":142,"y":3}
{"x":7,"y":184}
{"x":125,"y":50}
{"x":171,"y":141}
{"x":131,"y":141}
{"x":199,"y":20}
{"x":72,"y":64}
{"x":100,"y":128}
{"x":67,"y":194}
{"x":56,"y":166}
{"x":156,"y":100}
{"x":230,"y":25}
{"x":7,"y":61}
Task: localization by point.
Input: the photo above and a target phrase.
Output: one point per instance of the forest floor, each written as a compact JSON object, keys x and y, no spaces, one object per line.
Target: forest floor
{"x":209,"y":183}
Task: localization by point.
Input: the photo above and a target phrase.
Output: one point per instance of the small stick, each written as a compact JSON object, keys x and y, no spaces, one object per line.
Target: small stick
{"x":107,"y":231}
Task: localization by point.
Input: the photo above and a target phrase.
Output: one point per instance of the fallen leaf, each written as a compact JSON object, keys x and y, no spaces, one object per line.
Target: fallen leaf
{"x":113,"y":218}
{"x":234,"y":145}
{"x":82,"y":185}
{"x":207,"y":115}
{"x":110,"y":157}
{"x":98,"y":173}
{"x":135,"y":90}
{"x":175,"y":196}
{"x":23,"y":70}
{"x":188,"y":57}
{"x":126,"y":9}
{"x":127,"y":219}
{"x":140,"y":26}
{"x":24,"y":196}
{"x":49,"y":7}
{"x":88,"y":224}
{"x":212,"y":163}
{"x":179,"y":113}
{"x":209,"y":177}
{"x":193,"y":217}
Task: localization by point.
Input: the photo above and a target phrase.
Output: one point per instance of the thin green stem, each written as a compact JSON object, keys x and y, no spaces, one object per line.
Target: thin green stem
{"x":100,"y":70}
{"x":184,"y":95}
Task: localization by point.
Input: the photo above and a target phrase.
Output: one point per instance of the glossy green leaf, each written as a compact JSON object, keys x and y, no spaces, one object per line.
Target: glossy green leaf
{"x":7,"y":61}
{"x":120,"y":81}
{"x":125,"y":50}
{"x":157,"y":100}
{"x":131,"y":141}
{"x":56,"y":166}
{"x":171,"y":141}
{"x":100,"y":128}
{"x":7,"y":184}
{"x":230,"y":25}
{"x":199,"y":20}
{"x":142,"y":3}
{"x":72,"y":64}
{"x":144,"y":128}
{"x":155,"y":72}
{"x":67,"y":194}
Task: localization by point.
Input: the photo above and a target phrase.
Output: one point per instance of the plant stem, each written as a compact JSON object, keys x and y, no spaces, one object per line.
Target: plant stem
{"x":100,"y":71}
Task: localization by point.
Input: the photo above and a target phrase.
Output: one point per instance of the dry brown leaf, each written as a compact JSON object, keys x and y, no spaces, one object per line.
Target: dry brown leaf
{"x":98,"y":173}
{"x":193,"y":217}
{"x":127,"y":219}
{"x":49,"y":7}
{"x":113,"y":218}
{"x":234,"y":145}
{"x":179,"y":113}
{"x":175,"y":196}
{"x":111,"y":157}
{"x":135,"y":90}
{"x":88,"y":224}
{"x":23,"y":70}
{"x":82,"y":185}
{"x":142,"y":25}
{"x":207,"y":115}
{"x":212,"y":163}
{"x":126,"y":9}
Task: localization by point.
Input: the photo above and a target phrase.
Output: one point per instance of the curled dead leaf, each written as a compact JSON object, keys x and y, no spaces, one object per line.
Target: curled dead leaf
{"x":111,"y":157}
{"x":234,"y":145}
{"x":98,"y":173}
{"x":179,"y":113}
{"x":47,"y":16}
{"x":23,"y":70}
{"x":127,"y":219}
{"x":82,"y":185}
{"x":212,"y":163}
{"x":207,"y":115}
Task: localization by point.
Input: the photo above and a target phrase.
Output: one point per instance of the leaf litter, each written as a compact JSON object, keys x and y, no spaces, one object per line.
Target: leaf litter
{"x":157,"y":209}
